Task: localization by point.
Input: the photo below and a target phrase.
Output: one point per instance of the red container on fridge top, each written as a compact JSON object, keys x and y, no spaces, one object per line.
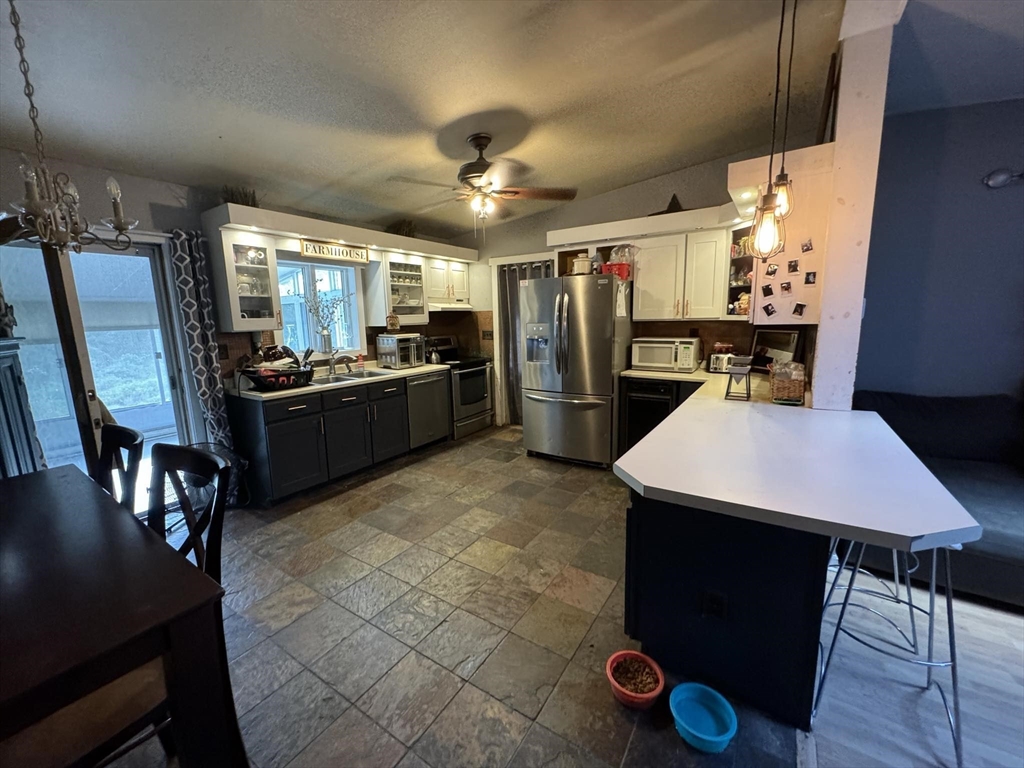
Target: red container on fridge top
{"x":619,"y":269}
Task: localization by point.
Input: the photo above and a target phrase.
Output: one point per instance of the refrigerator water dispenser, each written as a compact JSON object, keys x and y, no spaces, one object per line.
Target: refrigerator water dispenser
{"x":538,"y":338}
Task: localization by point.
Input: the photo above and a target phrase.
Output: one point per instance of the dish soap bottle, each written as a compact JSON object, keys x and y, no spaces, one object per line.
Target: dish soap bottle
{"x":360,"y":366}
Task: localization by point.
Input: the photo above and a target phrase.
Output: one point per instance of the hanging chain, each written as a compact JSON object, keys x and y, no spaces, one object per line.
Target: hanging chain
{"x":33,"y":111}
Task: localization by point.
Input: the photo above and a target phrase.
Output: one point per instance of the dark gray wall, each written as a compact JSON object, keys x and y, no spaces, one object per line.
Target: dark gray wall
{"x":945,"y":281}
{"x":700,"y":186}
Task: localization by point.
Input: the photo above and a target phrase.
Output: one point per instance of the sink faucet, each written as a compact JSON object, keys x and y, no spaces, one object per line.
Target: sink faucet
{"x":346,"y":359}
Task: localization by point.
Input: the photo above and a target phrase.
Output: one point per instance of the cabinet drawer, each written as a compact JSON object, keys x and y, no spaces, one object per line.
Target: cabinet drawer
{"x":287,"y":408}
{"x":387,"y":389}
{"x":648,"y":387}
{"x":344,"y":397}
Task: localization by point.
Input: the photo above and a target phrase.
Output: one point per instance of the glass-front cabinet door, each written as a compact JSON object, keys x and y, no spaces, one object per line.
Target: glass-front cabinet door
{"x":245,"y":275}
{"x":405,"y":276}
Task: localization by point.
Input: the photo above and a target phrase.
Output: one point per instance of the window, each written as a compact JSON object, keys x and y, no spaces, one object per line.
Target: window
{"x":299,"y":329}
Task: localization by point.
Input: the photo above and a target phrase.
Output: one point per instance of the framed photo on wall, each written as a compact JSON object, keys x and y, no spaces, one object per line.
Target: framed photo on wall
{"x":772,"y":346}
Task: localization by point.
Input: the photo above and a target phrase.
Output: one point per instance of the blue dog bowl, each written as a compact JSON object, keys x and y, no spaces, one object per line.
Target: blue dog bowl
{"x":703,"y":717}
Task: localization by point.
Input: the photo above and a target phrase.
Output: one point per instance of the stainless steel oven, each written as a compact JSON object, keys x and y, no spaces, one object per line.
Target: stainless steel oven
{"x":472,"y":385}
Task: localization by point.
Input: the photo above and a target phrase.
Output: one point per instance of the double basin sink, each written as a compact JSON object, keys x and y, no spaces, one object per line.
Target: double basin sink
{"x":335,"y":378}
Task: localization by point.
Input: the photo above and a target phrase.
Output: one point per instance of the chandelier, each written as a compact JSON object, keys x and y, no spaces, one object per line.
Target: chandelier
{"x":49,"y":214}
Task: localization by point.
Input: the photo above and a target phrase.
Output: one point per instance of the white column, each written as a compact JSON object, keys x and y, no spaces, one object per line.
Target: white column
{"x":865,"y":70}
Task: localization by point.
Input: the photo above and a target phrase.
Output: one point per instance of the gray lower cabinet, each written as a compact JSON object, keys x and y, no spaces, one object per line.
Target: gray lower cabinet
{"x":390,"y":426}
{"x":349,"y":439}
{"x":295,"y":450}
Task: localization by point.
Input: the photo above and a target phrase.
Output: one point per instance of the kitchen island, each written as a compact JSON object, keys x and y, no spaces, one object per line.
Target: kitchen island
{"x":734,"y":507}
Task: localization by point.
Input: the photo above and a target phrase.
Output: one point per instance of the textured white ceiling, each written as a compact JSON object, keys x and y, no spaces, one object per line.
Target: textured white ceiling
{"x":319,"y":104}
{"x":951,"y":53}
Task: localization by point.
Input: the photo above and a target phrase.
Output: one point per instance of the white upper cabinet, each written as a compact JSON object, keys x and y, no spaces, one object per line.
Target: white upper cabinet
{"x":658,"y":279}
{"x":437,"y":279}
{"x":447,"y":281}
{"x":707,"y":265}
{"x":244,"y":273}
{"x":458,"y":276}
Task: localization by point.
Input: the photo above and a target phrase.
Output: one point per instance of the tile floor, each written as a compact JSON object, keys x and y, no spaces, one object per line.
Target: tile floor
{"x":452,"y":608}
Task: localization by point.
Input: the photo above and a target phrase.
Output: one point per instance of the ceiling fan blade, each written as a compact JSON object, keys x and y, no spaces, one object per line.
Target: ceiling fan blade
{"x":501,"y":173}
{"x":421,"y":182}
{"x":538,"y":193}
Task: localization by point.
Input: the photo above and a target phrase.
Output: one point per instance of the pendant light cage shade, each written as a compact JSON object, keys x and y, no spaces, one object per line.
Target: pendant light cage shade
{"x":783,"y":189}
{"x":768,"y":233}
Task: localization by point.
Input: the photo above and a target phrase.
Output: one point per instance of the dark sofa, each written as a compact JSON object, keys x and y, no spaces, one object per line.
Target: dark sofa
{"x":975,"y":447}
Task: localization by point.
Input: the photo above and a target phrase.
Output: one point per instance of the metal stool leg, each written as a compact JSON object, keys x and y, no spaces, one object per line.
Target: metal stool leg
{"x":958,"y":743}
{"x":839,"y":623}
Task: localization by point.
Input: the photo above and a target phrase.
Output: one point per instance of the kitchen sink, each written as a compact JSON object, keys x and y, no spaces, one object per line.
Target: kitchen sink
{"x":337,"y":378}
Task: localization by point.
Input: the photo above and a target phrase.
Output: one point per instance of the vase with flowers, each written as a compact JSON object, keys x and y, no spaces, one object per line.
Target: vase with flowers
{"x":323,"y":308}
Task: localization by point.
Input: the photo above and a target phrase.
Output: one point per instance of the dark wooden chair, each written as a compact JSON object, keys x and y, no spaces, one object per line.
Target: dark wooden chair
{"x":197,"y":483}
{"x":115,"y":442}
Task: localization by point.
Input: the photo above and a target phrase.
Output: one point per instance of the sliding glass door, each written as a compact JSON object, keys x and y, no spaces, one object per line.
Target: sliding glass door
{"x":125,"y":318}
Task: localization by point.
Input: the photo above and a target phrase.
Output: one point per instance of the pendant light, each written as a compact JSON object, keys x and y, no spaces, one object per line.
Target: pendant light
{"x":783,"y":186}
{"x":768,"y":234}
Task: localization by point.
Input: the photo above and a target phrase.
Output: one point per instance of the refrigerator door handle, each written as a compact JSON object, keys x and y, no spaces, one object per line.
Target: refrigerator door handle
{"x":558,"y":334}
{"x":542,"y":399}
{"x":565,"y":332}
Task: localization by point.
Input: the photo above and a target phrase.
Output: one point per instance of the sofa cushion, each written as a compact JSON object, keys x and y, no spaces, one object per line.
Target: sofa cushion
{"x":988,"y":428}
{"x":994,"y":495}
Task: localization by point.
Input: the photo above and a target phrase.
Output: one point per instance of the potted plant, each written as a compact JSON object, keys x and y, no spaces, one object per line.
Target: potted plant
{"x":635,"y":678}
{"x":324,"y":309}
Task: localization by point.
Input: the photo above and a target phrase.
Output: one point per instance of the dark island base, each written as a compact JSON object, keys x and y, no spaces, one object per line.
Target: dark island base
{"x":733,"y":603}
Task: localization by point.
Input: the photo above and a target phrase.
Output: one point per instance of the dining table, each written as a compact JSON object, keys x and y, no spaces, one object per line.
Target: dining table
{"x":89,"y":593}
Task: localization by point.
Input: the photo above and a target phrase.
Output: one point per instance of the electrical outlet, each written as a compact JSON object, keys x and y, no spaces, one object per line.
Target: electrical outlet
{"x":222,"y":351}
{"x":715,"y":605}
{"x":488,"y":335}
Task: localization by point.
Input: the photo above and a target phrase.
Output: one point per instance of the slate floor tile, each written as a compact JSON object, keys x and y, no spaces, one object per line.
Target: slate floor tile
{"x":357,"y":505}
{"x":371,"y":594}
{"x":477,"y":520}
{"x":555,"y":545}
{"x":414,"y":564}
{"x":518,"y":533}
{"x":582,"y":711}
{"x":577,"y":525}
{"x":474,"y":730}
{"x":461,"y":642}
{"x":608,"y":560}
{"x":238,"y":523}
{"x":380,"y":549}
{"x":413,"y":616}
{"x":359,"y":661}
{"x":615,"y":606}
{"x":487,"y":554}
{"x":259,"y":672}
{"x":603,"y":639}
{"x":591,"y":506}
{"x":555,"y":625}
{"x":311,"y":636}
{"x":276,"y":611}
{"x":489,"y":480}
{"x":240,"y":635}
{"x":543,"y":749}
{"x":318,"y":521}
{"x":308,"y":558}
{"x":531,"y":571}
{"x":408,"y":698}
{"x":330,"y":578}
{"x":581,"y":589}
{"x":500,"y":602}
{"x":412,"y":760}
{"x":351,"y":536}
{"x":501,"y":503}
{"x":449,"y":540}
{"x":283,"y":724}
{"x":520,"y":674}
{"x":247,"y":578}
{"x":388,"y":518}
{"x":453,"y":582}
{"x":421,"y":525}
{"x":274,"y":542}
{"x":470,"y":494}
{"x":353,"y":741}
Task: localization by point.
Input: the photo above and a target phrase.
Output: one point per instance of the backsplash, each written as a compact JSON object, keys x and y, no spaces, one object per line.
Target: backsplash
{"x":467,"y":327}
{"x":735,"y":332}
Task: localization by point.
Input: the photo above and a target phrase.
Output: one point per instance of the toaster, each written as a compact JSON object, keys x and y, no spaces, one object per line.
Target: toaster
{"x":719,"y":363}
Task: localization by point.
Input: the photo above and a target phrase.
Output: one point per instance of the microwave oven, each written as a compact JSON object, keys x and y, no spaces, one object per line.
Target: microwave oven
{"x":681,"y":355}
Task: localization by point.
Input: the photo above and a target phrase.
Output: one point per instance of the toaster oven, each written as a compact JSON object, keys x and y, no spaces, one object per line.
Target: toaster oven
{"x":401,"y":350}
{"x":680,"y":355}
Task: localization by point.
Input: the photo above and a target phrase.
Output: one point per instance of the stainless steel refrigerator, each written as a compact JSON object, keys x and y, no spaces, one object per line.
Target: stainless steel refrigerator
{"x":576,"y":331}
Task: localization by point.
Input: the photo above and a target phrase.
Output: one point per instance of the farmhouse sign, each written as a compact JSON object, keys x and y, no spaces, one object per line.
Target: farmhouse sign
{"x":334,"y":251}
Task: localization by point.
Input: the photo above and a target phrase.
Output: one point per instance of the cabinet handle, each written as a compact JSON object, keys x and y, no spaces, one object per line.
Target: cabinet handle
{"x":367,"y":414}
{"x":389,"y":389}
{"x":687,"y":313}
{"x":280,"y":322}
{"x":347,"y":399}
{"x":374,"y":412}
{"x":321,"y":425}
{"x":296,"y":407}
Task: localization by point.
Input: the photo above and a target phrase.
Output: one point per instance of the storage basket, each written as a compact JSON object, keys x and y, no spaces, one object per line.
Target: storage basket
{"x":786,"y":391}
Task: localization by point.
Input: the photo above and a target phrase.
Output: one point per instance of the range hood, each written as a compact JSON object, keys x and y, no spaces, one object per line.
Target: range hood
{"x":449,"y":306}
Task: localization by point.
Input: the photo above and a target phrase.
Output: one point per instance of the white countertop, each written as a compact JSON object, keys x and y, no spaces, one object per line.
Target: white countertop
{"x":390,"y":375}
{"x":837,"y":473}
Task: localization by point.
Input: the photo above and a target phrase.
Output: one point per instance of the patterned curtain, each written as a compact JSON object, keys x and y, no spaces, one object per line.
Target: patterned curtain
{"x":192,"y":281}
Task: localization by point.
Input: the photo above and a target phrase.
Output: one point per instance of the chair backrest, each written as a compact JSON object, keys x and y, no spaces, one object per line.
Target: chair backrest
{"x":187,"y":470}
{"x":115,"y":439}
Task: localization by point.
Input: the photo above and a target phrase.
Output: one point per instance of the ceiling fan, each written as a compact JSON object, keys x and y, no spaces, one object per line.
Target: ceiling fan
{"x":486,"y":182}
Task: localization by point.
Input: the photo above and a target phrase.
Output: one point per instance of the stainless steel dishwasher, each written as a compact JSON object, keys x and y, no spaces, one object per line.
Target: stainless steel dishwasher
{"x":429,"y":414}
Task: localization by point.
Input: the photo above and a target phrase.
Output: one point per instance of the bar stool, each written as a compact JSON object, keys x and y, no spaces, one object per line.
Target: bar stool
{"x":892,"y":596}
